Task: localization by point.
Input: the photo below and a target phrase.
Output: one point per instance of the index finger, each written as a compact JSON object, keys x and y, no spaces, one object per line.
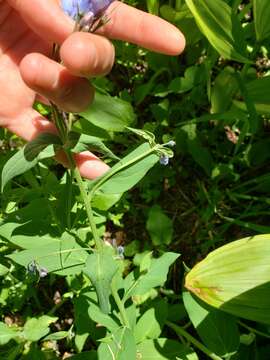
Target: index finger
{"x":126,"y":23}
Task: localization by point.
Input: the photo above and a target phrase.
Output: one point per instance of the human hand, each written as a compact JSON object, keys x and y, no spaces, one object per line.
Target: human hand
{"x":28,"y":28}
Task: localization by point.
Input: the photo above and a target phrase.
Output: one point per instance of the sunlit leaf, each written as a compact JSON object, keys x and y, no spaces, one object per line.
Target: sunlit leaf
{"x":236,"y":278}
{"x":221,"y":27}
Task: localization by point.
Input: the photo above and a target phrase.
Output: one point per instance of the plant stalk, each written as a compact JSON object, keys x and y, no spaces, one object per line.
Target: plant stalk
{"x":182,"y":332}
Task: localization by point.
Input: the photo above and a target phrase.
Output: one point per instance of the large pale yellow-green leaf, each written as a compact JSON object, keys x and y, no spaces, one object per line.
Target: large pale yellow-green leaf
{"x":221,"y":27}
{"x":236,"y":278}
{"x":261,"y":10}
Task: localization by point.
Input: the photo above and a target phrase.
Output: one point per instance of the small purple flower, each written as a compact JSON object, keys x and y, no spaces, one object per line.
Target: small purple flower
{"x":164,"y":159}
{"x":79,"y":8}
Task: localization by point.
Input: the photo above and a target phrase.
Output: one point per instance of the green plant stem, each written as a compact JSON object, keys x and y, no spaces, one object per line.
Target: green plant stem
{"x":120,"y":306}
{"x":182,"y":332}
{"x":86,"y":201}
{"x":88,"y":208}
{"x":255,"y":331}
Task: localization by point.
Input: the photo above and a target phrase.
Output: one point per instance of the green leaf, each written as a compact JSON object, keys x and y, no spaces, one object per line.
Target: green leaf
{"x":151,"y":323}
{"x":155,"y":276}
{"x":120,"y":346}
{"x":33,"y":148}
{"x":109,"y":113}
{"x":36,"y":328}
{"x":221,"y":27}
{"x":56,"y":336}
{"x":159,"y":226}
{"x":261,"y":12}
{"x":18,"y":164}
{"x":7,"y":333}
{"x":199,"y":152}
{"x":55,"y":254}
{"x":104,"y":202}
{"x":100,"y":267}
{"x":145,"y":134}
{"x":127,"y":177}
{"x":217,"y":329}
{"x":164,"y":349}
{"x":236,"y":278}
{"x":93,"y":143}
{"x":225,"y":86}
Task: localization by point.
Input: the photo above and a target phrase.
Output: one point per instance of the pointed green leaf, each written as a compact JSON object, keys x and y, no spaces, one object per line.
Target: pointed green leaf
{"x":129,"y":174}
{"x":236,"y":278}
{"x":155,"y":276}
{"x":19,"y":164}
{"x":100,"y":267}
{"x":93,"y":143}
{"x":109,"y":113}
{"x":221,"y":27}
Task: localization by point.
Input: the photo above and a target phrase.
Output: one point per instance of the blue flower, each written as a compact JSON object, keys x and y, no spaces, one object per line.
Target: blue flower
{"x":75,"y":8}
{"x":164,"y":159}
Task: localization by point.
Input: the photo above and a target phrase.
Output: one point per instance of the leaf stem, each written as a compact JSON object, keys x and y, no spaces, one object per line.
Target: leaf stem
{"x":255,"y":331}
{"x":120,"y":305}
{"x":182,"y":332}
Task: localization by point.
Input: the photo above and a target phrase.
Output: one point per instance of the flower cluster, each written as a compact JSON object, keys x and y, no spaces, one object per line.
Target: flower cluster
{"x":79,"y":8}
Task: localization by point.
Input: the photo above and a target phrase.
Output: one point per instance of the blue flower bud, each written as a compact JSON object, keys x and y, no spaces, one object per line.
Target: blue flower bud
{"x":164,"y":159}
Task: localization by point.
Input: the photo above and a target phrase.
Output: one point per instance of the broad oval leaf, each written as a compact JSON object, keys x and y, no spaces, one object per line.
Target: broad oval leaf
{"x":221,"y":27}
{"x":62,"y":256}
{"x":109,"y":113}
{"x":36,"y":328}
{"x":217,"y":329}
{"x":236,"y":278}
{"x":261,"y":11}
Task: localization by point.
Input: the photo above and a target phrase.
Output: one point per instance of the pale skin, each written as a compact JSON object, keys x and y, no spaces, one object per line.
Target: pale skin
{"x":28,"y":28}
